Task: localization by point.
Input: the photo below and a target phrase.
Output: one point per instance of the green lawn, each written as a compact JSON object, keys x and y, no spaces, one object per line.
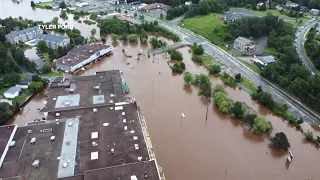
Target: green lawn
{"x":210,"y":27}
{"x":206,"y":60}
{"x":3,"y":90}
{"x":57,"y":74}
{"x":23,"y":76}
{"x":44,"y":5}
{"x":271,"y":51}
{"x":46,"y":56}
{"x":249,"y":84}
{"x":251,"y":66}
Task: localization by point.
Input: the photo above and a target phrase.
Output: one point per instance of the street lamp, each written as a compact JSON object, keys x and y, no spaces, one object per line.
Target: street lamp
{"x":182,"y":116}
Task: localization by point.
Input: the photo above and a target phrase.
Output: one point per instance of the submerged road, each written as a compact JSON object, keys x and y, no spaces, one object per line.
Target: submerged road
{"x":295,"y":106}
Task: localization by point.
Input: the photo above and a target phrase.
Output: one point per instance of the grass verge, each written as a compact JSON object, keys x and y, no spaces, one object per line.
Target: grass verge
{"x":209,"y":26}
{"x":249,"y":84}
{"x":56,"y":74}
{"x":251,"y":66}
{"x":44,"y":5}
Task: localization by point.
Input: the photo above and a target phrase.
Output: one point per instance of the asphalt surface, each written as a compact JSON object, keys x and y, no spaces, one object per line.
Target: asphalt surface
{"x":295,"y":106}
{"x":299,"y":43}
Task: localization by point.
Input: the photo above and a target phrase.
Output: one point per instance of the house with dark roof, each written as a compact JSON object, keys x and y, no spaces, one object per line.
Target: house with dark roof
{"x":54,"y":41}
{"x":154,"y":6}
{"x":243,"y":44}
{"x":16,"y":37}
{"x":24,"y":83}
{"x":12,"y":92}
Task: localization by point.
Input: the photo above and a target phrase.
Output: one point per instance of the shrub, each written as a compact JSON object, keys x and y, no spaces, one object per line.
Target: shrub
{"x":176,"y":55}
{"x":214,"y":69}
{"x":261,"y":126}
{"x":280,"y":141}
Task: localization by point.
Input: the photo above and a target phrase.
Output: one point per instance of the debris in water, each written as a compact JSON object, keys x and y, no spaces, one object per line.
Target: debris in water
{"x":128,"y":63}
{"x":159,"y":72}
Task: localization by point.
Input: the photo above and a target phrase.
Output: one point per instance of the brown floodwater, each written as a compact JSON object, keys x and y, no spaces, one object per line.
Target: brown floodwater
{"x":216,"y":148}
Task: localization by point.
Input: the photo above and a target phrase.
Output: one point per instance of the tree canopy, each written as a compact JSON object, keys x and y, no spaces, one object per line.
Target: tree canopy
{"x":280,"y":141}
{"x":5,"y":111}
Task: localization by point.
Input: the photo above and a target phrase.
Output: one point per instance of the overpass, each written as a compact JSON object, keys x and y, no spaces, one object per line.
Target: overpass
{"x":166,"y":48}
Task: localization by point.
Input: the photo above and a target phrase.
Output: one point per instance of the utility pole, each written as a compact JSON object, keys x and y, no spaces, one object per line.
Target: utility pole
{"x":225,"y":175}
{"x":182,"y":116}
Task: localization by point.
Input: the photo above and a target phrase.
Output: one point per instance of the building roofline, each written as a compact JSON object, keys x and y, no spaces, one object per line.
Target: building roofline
{"x":8,"y":143}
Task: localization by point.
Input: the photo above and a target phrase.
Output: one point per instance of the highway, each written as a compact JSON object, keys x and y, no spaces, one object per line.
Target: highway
{"x":295,"y":106}
{"x":299,"y":43}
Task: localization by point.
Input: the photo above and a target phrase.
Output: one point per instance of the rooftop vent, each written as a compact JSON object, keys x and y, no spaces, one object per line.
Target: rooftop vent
{"x":67,"y":103}
{"x":135,"y":137}
{"x":29,"y":131}
{"x":57,"y":114}
{"x":65,"y":165}
{"x":123,"y":113}
{"x":69,"y":60}
{"x":110,"y":101}
{"x":111,"y":95}
{"x":94,"y":155}
{"x":95,"y":110}
{"x":12,"y":143}
{"x":90,"y":51}
{"x":124,"y":120}
{"x":136,"y":147}
{"x":140,"y":158}
{"x":132,"y":131}
{"x":57,"y":119}
{"x":33,"y":140}
{"x":54,"y":99}
{"x":94,"y":135}
{"x":125,"y":128}
{"x":94,"y":144}
{"x":134,"y":177}
{"x":52,"y":138}
{"x":36,"y":163}
{"x":63,"y":62}
{"x":111,"y":108}
{"x":105,"y":124}
{"x":118,"y":108}
{"x":112,"y":151}
{"x":70,"y":124}
{"x":71,"y":90}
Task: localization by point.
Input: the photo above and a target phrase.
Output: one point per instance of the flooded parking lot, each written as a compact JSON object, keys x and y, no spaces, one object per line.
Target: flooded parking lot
{"x":201,"y":149}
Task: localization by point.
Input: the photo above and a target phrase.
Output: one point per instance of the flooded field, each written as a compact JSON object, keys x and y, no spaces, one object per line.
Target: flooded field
{"x":216,"y":148}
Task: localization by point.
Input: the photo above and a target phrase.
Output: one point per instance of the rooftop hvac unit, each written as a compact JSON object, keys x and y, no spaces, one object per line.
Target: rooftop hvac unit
{"x":96,"y":87}
{"x":135,"y":137}
{"x":123,"y":113}
{"x":125,"y":128}
{"x":52,"y":138}
{"x":91,"y":51}
{"x":111,"y":95}
{"x":63,"y":62}
{"x":134,"y":177}
{"x":29,"y":131}
{"x":65,"y":165}
{"x":57,"y":114}
{"x":69,"y":60}
{"x":105,"y":124}
{"x":136,"y":147}
{"x":112,"y":151}
{"x":111,"y":101}
{"x":139,"y":158}
{"x":12,"y":143}
{"x":70,"y":124}
{"x":95,"y":110}
{"x":132,"y":131}
{"x":71,"y":90}
{"x":36,"y":163}
{"x":94,"y":144}
{"x":124,"y":120}
{"x":33,"y":140}
{"x":45,"y":102}
{"x":54,"y":99}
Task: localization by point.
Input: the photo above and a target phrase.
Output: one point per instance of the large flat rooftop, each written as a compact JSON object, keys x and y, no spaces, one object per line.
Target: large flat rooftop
{"x":5,"y":133}
{"x":18,"y":161}
{"x":110,"y":134}
{"x":104,"y":88}
{"x":80,"y":54}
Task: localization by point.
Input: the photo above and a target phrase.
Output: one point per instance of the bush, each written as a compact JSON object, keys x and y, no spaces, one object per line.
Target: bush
{"x":175,"y":55}
{"x":182,"y":66}
{"x":176,"y":68}
{"x":228,"y":80}
{"x":46,"y":68}
{"x":133,"y":37}
{"x":214,"y":69}
{"x":261,"y":126}
{"x":309,"y":136}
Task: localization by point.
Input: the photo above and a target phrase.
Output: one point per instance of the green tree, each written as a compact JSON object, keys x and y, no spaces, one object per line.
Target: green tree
{"x":182,"y":66}
{"x":133,"y":37}
{"x":135,"y":15}
{"x":63,"y":15}
{"x":249,"y":118}
{"x":42,"y":46}
{"x":141,"y":17}
{"x":62,"y":5}
{"x":219,"y":88}
{"x":5,"y":111}
{"x":33,"y":4}
{"x":176,"y":55}
{"x":155,"y":23}
{"x":238,"y":77}
{"x":161,"y":16}
{"x":280,"y":141}
{"x":93,"y":32}
{"x":238,"y":109}
{"x":188,"y":78}
{"x":46,"y":68}
{"x":11,"y":79}
{"x":36,"y":78}
{"x":226,"y":106}
{"x":261,"y":126}
{"x":35,"y":87}
{"x":143,"y":37}
{"x":309,"y":136}
{"x":214,"y":69}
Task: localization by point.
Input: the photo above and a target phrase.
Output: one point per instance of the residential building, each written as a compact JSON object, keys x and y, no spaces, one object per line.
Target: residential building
{"x":90,"y":132}
{"x":261,"y":3}
{"x":1,"y":26}
{"x":304,"y":9}
{"x":12,"y":92}
{"x":243,"y":44}
{"x":54,"y":41}
{"x":315,"y":12}
{"x":16,"y":37}
{"x":81,"y":56}
{"x":24,"y":83}
{"x":154,"y":6}
{"x":187,"y":3}
{"x":263,"y":61}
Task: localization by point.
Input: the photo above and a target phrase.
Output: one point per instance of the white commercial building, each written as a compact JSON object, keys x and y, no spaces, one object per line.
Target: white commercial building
{"x":16,"y":37}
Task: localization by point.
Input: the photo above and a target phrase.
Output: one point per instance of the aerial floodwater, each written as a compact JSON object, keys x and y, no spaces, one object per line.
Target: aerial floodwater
{"x":216,"y":148}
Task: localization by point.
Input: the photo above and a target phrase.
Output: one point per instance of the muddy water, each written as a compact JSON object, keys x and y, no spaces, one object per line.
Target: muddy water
{"x":201,"y":149}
